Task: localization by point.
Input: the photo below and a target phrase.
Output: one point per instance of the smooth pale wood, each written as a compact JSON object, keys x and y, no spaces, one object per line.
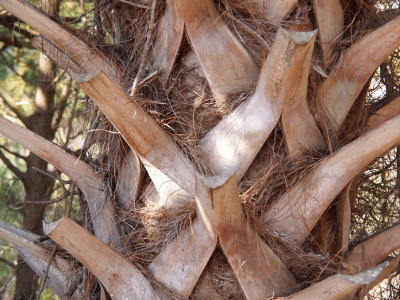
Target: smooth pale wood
{"x":171,"y":172}
{"x":130,"y":180}
{"x":385,"y":113}
{"x":370,"y":252}
{"x":299,"y":127}
{"x":339,"y":91}
{"x":231,"y":146}
{"x":168,"y":39}
{"x":273,"y":11}
{"x":330,"y":23}
{"x":57,"y":55}
{"x":217,"y":49}
{"x":120,"y":278}
{"x":77,"y":50}
{"x":181,"y":263}
{"x":38,"y":258}
{"x":343,"y":221}
{"x":338,"y":286}
{"x":297,"y":212}
{"x":386,"y":272}
{"x":261,"y":273}
{"x":101,"y":210}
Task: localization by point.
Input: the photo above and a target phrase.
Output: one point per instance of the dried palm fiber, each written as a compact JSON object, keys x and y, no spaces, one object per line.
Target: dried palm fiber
{"x":185,"y":107}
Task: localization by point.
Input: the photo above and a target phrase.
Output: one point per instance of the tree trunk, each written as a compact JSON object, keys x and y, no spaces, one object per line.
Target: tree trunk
{"x":227,"y":141}
{"x":37,"y":185}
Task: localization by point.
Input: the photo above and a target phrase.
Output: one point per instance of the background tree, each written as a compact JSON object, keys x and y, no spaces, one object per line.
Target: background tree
{"x":25,"y":78}
{"x":231,"y":150}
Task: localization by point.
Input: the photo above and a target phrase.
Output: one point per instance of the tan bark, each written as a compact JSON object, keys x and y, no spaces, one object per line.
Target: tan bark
{"x":217,"y":49}
{"x":120,"y":278}
{"x":297,"y":212}
{"x":386,"y":272}
{"x":370,"y":252}
{"x":338,"y":286}
{"x":38,"y":258}
{"x":339,"y":91}
{"x":181,"y":263}
{"x":299,"y":127}
{"x":232,"y":145}
{"x":273,"y":11}
{"x":343,"y":219}
{"x":385,"y":113}
{"x":101,"y":211}
{"x":168,"y":39}
{"x":130,"y":179}
{"x":330,"y":23}
{"x":171,"y":172}
{"x":261,"y":273}
{"x":58,"y":56}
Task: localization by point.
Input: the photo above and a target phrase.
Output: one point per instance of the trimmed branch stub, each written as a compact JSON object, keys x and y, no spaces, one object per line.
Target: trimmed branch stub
{"x":385,"y":113}
{"x":181,"y":263}
{"x":168,"y":39}
{"x":330,"y":23}
{"x":259,"y":270}
{"x":231,"y":146}
{"x":375,"y":249}
{"x":385,"y":273}
{"x":261,"y":273}
{"x":338,"y":286}
{"x":207,"y":31}
{"x":299,"y":127}
{"x":273,"y":11}
{"x":38,"y":258}
{"x":57,"y":55}
{"x":101,"y":210}
{"x":297,"y":212}
{"x":120,"y":278}
{"x":339,"y":91}
{"x":130,"y":180}
{"x":77,"y":50}
{"x":171,"y":172}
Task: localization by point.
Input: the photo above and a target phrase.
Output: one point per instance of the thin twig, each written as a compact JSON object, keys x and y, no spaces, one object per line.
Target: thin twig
{"x":58,"y":78}
{"x":11,"y":166}
{"x":53,"y":253}
{"x":149,"y":78}
{"x":134,"y":4}
{"x":16,"y":154}
{"x":8,"y":263}
{"x":69,"y":204}
{"x":146,"y":51}
{"x":55,"y":177}
{"x":55,"y":200}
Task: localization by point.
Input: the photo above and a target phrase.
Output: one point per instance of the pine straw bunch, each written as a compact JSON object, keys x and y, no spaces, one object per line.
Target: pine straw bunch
{"x":185,"y":108}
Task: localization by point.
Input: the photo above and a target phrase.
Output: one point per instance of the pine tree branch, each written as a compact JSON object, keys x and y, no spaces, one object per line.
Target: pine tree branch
{"x":9,"y":101}
{"x":89,"y":182}
{"x":8,"y":263}
{"x":16,"y":154}
{"x":9,"y":42}
{"x":37,"y":257}
{"x":11,"y":166}
{"x":11,"y":22}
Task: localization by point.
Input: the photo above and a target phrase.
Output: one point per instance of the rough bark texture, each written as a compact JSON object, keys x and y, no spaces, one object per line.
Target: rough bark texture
{"x":275,"y":119}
